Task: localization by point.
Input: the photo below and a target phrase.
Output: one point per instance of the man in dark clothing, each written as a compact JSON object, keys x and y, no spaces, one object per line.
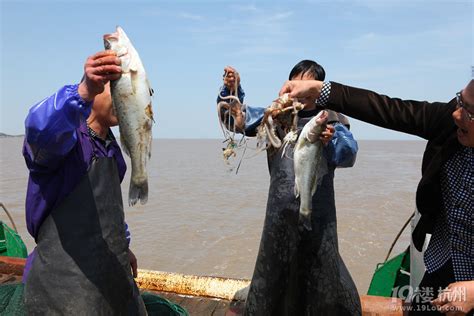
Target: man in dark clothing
{"x":298,"y":271}
{"x":444,"y":196}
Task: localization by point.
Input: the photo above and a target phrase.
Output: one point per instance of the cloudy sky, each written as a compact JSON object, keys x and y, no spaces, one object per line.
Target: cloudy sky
{"x":409,"y":49}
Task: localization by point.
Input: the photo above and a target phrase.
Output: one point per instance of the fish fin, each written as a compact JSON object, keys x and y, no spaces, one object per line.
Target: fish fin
{"x":297,"y":192}
{"x":150,"y":89}
{"x":149,"y":112}
{"x":150,"y":142}
{"x":124,"y":145}
{"x":304,"y":220}
{"x":133,"y":78}
{"x":138,"y":192}
{"x":314,"y":185}
{"x":134,"y":65}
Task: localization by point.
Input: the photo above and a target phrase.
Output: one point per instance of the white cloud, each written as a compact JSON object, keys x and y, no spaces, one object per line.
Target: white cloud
{"x":259,"y":33}
{"x":244,"y":8}
{"x":385,"y":5}
{"x":190,"y":16}
{"x":442,"y":37}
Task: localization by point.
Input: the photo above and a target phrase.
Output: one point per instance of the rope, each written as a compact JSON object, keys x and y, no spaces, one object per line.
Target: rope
{"x":230,"y":131}
{"x":398,"y":236}
{"x":9,"y":216}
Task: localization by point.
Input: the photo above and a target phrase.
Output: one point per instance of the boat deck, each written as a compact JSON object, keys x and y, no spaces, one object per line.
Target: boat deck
{"x":204,"y":306}
{"x":193,"y":304}
{"x":11,"y":270}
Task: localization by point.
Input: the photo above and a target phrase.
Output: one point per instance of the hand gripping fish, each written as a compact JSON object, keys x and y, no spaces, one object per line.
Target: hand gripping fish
{"x":308,"y":161}
{"x":131,"y":95}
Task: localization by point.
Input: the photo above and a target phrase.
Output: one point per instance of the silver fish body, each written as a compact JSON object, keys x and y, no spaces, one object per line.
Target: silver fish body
{"x":307,"y":164}
{"x":131,"y":96}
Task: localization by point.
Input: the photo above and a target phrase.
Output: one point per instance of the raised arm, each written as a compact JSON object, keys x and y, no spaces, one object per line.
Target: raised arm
{"x":232,"y":109}
{"x":50,"y":127}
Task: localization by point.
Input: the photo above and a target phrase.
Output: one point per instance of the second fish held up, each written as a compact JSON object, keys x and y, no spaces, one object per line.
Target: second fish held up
{"x":309,"y":165}
{"x":131,"y":95}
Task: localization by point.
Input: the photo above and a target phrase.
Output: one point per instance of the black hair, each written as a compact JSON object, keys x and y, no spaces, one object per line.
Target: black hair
{"x":308,"y":67}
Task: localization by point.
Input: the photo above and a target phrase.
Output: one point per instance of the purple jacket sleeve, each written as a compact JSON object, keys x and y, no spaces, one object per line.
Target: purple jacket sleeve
{"x":127,"y":234}
{"x":50,"y":127}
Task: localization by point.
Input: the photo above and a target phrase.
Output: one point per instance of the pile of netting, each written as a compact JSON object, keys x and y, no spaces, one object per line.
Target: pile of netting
{"x":12,"y":303}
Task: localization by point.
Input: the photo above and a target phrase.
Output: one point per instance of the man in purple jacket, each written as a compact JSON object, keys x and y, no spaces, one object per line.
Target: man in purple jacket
{"x":82,"y":263}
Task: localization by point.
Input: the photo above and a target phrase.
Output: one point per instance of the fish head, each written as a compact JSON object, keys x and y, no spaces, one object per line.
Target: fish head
{"x":117,"y":41}
{"x":322,"y":117}
{"x":313,"y":129}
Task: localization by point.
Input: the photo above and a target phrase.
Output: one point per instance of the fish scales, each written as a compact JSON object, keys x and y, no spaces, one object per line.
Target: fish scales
{"x":131,"y":96}
{"x":307,"y":164}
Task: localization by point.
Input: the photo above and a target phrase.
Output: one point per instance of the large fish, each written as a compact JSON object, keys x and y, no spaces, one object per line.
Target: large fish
{"x":308,"y":162}
{"x":131,"y":95}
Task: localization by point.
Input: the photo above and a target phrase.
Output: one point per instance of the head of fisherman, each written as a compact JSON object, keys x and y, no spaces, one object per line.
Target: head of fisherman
{"x":464,"y":115}
{"x":307,"y":70}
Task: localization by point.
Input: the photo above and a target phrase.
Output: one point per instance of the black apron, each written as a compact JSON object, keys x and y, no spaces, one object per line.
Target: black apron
{"x":82,"y":264}
{"x":299,"y":272}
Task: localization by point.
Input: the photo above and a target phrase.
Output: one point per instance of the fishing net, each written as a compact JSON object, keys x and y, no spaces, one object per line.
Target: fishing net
{"x":12,"y":304}
{"x":11,"y":300}
{"x":159,"y":306}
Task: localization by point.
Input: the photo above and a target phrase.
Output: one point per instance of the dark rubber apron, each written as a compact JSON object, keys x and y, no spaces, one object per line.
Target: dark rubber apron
{"x":299,"y":272}
{"x":82,"y":264}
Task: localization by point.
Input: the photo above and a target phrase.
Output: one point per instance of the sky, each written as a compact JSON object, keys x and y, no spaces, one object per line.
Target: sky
{"x":421,"y":50}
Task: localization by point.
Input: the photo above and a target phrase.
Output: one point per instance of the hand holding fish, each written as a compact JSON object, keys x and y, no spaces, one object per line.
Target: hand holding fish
{"x":302,"y":88}
{"x":98,"y":70}
{"x":327,"y":134}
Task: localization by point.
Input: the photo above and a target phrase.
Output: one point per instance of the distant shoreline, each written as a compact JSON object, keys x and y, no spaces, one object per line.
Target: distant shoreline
{"x":3,"y":135}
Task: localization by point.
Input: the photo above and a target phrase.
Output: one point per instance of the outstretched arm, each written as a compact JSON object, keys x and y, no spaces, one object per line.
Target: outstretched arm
{"x":419,"y":118}
{"x":231,"y":108}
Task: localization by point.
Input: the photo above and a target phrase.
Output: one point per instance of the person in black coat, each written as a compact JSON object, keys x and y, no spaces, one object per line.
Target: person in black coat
{"x":444,"y":195}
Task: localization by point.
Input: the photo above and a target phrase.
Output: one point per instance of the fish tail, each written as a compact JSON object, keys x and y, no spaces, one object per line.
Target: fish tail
{"x":305,"y":219}
{"x":138,"y":191}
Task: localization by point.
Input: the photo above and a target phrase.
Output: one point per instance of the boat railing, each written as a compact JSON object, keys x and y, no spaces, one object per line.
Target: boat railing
{"x":9,"y":216}
{"x":398,"y":236}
